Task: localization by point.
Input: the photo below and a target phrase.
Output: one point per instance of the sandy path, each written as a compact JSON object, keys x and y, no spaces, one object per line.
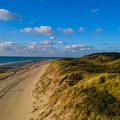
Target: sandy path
{"x":17,"y":103}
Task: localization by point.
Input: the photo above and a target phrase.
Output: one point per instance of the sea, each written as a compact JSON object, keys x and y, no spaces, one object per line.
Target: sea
{"x":10,"y":59}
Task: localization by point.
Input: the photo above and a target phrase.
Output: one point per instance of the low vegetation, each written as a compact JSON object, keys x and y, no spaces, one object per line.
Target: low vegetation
{"x":86,"y":88}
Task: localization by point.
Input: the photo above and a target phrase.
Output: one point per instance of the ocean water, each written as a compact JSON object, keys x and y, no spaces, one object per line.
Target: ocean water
{"x":7,"y":59}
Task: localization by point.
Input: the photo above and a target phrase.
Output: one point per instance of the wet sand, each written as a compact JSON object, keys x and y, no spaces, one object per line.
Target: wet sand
{"x":16,"y":86}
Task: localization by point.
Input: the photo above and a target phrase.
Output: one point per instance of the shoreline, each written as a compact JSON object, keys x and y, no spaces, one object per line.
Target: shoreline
{"x":15,"y":65}
{"x":19,"y":63}
{"x":25,"y":59}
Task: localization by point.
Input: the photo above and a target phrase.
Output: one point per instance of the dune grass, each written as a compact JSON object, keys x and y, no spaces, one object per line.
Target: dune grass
{"x":88,"y":88}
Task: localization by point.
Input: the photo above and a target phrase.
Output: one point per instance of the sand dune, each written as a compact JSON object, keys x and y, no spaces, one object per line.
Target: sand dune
{"x":16,"y":101}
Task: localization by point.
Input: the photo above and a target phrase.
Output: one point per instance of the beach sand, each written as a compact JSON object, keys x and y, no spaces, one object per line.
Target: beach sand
{"x":16,"y":86}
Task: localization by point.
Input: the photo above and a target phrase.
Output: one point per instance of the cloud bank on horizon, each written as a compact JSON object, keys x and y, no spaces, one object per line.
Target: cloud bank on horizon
{"x":49,"y":29}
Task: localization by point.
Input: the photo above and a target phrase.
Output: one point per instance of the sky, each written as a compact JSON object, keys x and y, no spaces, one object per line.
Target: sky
{"x":59,"y":28}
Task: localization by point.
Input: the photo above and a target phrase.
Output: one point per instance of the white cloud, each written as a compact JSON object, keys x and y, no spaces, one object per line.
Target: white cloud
{"x":52,"y":38}
{"x":48,"y":49}
{"x":6,"y":45}
{"x":7,"y":15}
{"x":61,"y":42}
{"x":44,"y":48}
{"x":26,"y":30}
{"x":46,"y":30}
{"x":66,"y":31}
{"x":29,"y":49}
{"x":98,"y":30}
{"x":33,"y":45}
{"x":80,"y":49}
{"x":94,"y":10}
{"x":81,"y":29}
{"x":46,"y":42}
{"x":79,"y":46}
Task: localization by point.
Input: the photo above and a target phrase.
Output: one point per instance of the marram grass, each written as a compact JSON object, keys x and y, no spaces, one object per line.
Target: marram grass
{"x":86,"y":88}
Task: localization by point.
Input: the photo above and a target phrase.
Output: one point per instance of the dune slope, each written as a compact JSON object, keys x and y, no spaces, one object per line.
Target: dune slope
{"x":86,"y":88}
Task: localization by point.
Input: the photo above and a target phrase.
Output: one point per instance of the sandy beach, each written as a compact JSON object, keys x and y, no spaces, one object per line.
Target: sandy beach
{"x":16,"y":86}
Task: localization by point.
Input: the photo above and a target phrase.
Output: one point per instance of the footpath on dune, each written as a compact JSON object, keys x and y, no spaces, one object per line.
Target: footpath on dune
{"x":16,"y":101}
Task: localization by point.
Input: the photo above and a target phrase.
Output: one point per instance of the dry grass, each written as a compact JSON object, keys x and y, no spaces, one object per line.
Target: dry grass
{"x":86,"y":88}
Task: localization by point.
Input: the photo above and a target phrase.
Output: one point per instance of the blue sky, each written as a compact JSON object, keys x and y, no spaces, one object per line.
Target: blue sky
{"x":64,"y":28}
